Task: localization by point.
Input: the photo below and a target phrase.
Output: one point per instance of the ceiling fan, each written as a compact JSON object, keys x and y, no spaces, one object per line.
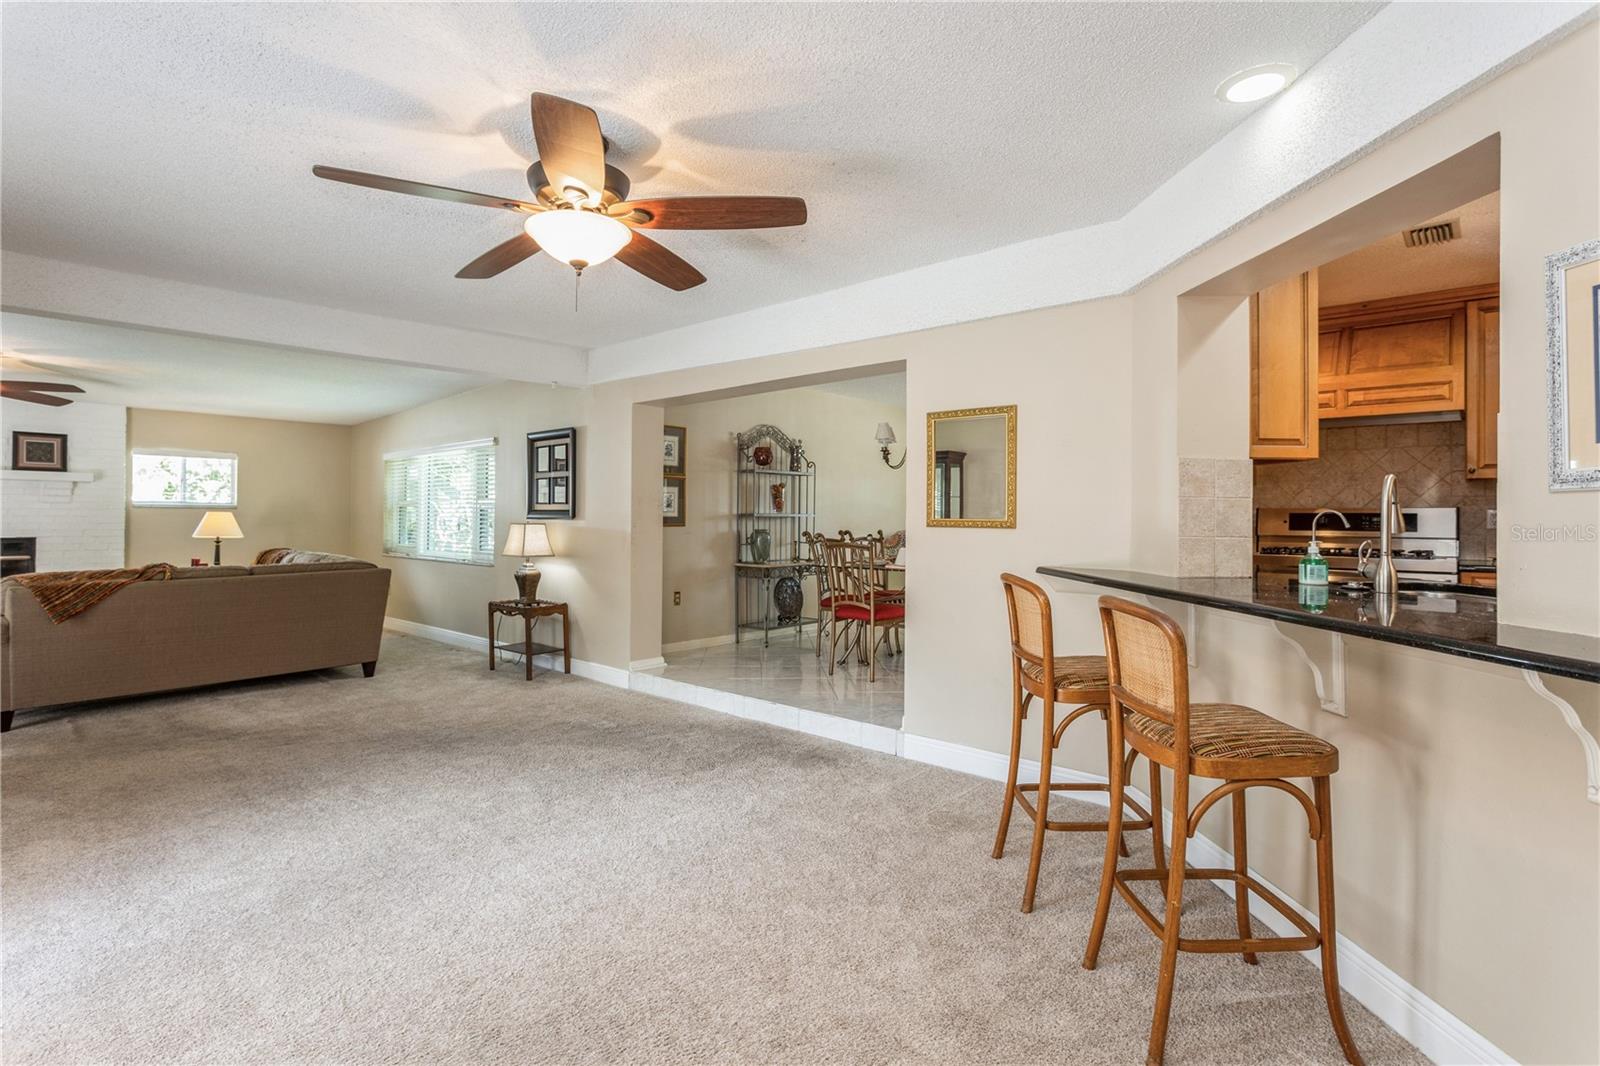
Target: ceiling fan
{"x":37,"y":392}
{"x":581,"y":213}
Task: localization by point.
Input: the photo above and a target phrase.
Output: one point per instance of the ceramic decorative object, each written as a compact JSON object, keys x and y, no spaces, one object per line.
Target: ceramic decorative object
{"x":788,"y":597}
{"x":777,"y":497}
{"x":797,"y":457}
{"x":762,"y":455}
{"x":760,"y":542}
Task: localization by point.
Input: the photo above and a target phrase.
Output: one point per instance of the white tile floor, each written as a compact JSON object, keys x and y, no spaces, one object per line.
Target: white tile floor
{"x":790,"y":673}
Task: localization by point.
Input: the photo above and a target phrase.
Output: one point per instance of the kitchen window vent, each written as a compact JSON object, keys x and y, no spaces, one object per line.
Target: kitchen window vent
{"x":1433,"y":233}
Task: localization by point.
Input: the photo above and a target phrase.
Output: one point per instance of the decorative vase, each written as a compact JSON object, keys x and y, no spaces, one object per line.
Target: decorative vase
{"x":760,"y":541}
{"x":762,"y":455}
{"x":789,"y":598}
{"x":796,"y":458}
{"x":777,"y":497}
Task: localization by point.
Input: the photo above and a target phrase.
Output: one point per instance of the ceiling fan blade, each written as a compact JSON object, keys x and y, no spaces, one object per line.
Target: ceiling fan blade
{"x":500,"y":258}
{"x":658,"y":264}
{"x":417,"y":188}
{"x":571,"y":149}
{"x":39,"y":386}
{"x":22,"y":390}
{"x":713,"y":212}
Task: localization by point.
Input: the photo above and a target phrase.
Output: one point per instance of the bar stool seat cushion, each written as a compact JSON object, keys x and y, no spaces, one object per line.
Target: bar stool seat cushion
{"x":1233,"y":733}
{"x":1072,"y":671}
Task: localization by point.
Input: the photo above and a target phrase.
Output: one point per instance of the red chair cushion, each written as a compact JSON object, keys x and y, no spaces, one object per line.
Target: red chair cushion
{"x":825,"y":602}
{"x":886,"y":613}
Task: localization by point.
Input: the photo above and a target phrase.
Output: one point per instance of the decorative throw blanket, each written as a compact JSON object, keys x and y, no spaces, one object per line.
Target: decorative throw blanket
{"x":64,"y":593}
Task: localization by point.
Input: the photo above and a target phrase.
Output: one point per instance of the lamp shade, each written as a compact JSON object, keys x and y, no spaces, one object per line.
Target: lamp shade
{"x":218,"y":524}
{"x":885,"y":433}
{"x":527,"y":539}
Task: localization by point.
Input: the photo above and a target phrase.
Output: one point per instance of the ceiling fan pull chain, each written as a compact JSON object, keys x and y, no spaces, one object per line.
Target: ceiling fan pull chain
{"x":577,"y":283}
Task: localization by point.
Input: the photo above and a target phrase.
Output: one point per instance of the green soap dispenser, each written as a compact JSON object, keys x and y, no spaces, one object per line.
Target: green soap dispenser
{"x":1313,"y":567}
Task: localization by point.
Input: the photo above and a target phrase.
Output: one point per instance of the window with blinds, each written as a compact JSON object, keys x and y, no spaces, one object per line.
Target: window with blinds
{"x":439,"y":503}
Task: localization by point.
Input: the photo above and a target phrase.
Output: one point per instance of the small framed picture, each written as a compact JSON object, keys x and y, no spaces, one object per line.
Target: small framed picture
{"x":672,"y":501}
{"x":553,"y":473}
{"x":672,"y":457}
{"x":38,"y":451}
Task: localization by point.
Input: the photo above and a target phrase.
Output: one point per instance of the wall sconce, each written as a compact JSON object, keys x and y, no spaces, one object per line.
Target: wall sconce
{"x":886,"y":438}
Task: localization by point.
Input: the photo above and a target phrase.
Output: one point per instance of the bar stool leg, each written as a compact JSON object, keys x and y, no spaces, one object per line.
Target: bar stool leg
{"x":1170,"y":927}
{"x":1325,"y":924}
{"x":1011,"y":774}
{"x":1108,"y":869}
{"x":1047,"y":719}
{"x":1158,"y":842}
{"x":1241,"y":894}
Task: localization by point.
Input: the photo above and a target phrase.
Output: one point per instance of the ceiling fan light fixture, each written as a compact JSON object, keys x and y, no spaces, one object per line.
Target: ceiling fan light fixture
{"x":1256,"y":83}
{"x":576,"y":236}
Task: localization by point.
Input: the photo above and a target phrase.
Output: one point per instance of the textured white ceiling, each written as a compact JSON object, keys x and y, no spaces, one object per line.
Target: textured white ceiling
{"x":175,"y":372}
{"x":1388,"y":268}
{"x":177,"y":140}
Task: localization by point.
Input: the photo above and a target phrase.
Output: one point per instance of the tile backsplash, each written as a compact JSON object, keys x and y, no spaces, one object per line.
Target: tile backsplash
{"x":1214,"y":517}
{"x":1429,"y":457}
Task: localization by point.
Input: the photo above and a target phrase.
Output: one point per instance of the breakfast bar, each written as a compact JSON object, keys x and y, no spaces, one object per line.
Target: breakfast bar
{"x":1449,"y":622}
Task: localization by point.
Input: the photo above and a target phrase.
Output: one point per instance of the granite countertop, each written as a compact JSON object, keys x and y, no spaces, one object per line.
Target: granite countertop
{"x":1451,"y":623}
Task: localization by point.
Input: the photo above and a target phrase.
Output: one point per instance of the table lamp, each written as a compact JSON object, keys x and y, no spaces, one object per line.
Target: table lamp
{"x":219,"y":526}
{"x":528,"y":540}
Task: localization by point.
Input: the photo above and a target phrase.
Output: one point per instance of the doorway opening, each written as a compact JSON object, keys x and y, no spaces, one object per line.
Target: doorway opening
{"x":753,"y":485}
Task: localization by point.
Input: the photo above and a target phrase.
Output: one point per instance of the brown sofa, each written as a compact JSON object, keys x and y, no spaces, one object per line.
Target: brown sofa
{"x":307,"y":611}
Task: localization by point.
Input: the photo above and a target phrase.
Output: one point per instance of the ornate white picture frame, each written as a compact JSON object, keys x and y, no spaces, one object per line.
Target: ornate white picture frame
{"x":1570,"y":369}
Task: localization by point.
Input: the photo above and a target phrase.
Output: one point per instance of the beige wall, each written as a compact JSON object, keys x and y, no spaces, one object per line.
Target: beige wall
{"x":854,"y":491}
{"x":1460,"y":796}
{"x":294,"y":486}
{"x":454,"y":596}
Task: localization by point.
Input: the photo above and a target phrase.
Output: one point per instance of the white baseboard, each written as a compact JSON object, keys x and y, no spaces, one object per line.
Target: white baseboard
{"x":697,"y":643}
{"x":647,"y":664}
{"x":1436,"y":1032}
{"x":606,"y":675}
{"x":435,"y":633}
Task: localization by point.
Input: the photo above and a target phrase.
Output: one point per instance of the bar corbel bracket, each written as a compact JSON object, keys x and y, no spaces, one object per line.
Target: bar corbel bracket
{"x":1591,"y":750}
{"x":1330,"y":690}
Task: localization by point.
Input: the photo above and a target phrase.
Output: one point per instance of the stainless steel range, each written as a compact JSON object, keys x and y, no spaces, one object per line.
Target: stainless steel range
{"x":1427,"y":549}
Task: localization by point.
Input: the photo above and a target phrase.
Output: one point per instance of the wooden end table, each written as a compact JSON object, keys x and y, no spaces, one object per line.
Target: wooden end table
{"x":531,"y":612}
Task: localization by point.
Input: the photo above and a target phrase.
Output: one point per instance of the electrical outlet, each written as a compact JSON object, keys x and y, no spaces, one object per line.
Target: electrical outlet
{"x":1491,"y":518}
{"x":677,"y":597}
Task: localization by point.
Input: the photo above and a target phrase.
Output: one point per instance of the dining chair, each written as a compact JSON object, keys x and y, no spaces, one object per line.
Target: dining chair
{"x":814,"y":552}
{"x":858,"y":602}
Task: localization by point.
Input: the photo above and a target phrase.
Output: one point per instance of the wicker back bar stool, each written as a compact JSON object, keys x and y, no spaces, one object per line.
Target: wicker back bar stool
{"x":1147,"y":664}
{"x":1075,"y":680}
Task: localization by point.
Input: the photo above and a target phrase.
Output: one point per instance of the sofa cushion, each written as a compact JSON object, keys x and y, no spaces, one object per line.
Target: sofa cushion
{"x":281,"y":556}
{"x":187,"y":573}
{"x":336,"y":563}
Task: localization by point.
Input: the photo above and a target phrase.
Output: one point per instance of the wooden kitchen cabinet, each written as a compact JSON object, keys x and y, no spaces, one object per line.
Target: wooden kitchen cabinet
{"x":1406,"y":355}
{"x":1284,"y":353}
{"x":1483,"y":388}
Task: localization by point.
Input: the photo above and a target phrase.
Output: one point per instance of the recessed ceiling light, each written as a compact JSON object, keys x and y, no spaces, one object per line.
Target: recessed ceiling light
{"x":1256,"y":83}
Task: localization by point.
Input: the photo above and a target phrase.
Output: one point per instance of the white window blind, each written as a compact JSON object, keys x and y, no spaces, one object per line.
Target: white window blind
{"x":439,"y":504}
{"x":179,"y":479}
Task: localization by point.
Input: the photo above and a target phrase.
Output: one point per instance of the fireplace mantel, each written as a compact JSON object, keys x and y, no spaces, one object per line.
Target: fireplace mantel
{"x":47,"y":475}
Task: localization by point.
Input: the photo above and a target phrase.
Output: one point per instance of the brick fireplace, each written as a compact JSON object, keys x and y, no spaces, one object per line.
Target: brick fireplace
{"x":74,"y":520}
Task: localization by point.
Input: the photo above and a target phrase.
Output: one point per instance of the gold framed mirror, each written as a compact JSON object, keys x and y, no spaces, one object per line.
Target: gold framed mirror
{"x":972,"y":467}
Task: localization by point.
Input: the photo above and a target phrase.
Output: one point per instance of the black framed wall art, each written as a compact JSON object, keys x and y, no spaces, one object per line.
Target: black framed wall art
{"x":553,"y":473}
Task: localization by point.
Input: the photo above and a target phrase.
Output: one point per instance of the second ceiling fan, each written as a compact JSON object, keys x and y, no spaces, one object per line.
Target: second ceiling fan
{"x":581,"y":213}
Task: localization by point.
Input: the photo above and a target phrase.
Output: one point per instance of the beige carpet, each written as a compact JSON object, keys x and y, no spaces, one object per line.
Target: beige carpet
{"x":446,"y":865}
